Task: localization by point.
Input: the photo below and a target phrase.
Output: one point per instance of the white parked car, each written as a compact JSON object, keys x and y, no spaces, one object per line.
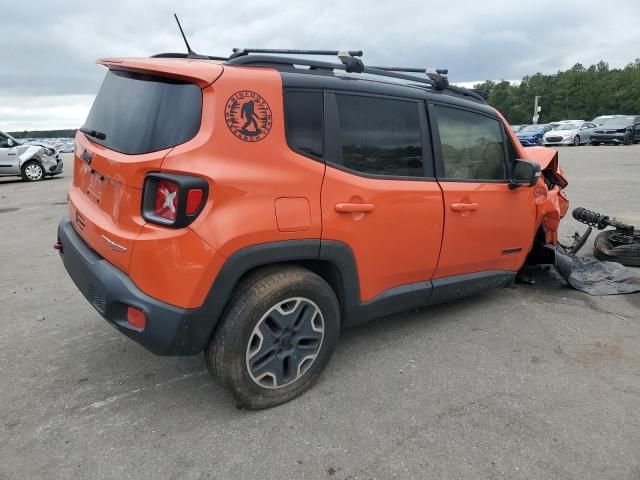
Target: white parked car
{"x":569,"y":133}
{"x":32,"y":162}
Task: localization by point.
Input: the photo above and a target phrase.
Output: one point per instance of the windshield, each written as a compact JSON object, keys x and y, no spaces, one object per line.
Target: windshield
{"x":531,"y":129}
{"x":136,"y":113}
{"x":568,"y":126}
{"x":618,"y":122}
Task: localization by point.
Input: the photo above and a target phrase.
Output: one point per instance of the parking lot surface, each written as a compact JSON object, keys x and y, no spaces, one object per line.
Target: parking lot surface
{"x":535,"y":381}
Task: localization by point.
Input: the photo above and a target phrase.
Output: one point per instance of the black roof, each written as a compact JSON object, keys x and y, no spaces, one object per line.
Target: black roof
{"x":323,"y":74}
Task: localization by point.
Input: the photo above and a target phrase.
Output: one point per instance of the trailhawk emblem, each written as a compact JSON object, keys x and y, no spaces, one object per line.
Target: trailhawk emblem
{"x":113,"y":245}
{"x":248,"y":116}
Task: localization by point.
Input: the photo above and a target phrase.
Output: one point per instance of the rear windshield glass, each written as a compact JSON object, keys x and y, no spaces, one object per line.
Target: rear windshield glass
{"x":143,"y":113}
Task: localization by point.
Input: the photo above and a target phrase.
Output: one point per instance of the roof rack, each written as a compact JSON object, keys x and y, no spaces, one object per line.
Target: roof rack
{"x":435,"y":77}
{"x":347,"y":57}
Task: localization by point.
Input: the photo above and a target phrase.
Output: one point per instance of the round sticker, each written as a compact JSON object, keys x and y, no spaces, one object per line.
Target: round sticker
{"x":248,"y":116}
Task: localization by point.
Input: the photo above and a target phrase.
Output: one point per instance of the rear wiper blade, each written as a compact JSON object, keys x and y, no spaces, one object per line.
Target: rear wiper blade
{"x":93,"y":133}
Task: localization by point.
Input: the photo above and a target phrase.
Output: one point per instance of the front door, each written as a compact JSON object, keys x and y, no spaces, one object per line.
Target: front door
{"x":8,"y":156}
{"x":487,"y":226}
{"x":379,"y":194}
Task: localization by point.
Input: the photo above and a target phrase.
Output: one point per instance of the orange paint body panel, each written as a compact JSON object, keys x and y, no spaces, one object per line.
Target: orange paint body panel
{"x":171,"y":265}
{"x":245,"y":178}
{"x":395,"y":243}
{"x":496,"y":234}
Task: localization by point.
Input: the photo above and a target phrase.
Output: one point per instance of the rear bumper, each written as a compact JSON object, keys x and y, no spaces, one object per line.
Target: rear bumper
{"x":169,"y":330}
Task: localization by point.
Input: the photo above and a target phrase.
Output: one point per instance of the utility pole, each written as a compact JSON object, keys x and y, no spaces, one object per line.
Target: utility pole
{"x":536,"y":110}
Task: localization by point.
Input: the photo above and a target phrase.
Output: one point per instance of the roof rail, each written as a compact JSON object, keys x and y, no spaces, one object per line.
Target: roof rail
{"x":435,"y":77}
{"x":347,"y":57}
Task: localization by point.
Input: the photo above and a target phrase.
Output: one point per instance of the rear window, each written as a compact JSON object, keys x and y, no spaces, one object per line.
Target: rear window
{"x":141,"y":113}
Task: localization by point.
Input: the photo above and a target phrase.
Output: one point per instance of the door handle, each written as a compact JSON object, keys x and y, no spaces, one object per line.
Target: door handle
{"x":464,"y":207}
{"x":354,"y":207}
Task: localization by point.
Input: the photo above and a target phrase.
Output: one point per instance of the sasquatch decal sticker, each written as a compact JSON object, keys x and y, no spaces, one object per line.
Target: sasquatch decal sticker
{"x":248,"y":116}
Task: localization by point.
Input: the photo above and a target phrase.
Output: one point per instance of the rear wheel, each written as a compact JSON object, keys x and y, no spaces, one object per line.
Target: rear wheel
{"x":32,"y":171}
{"x":576,"y":141}
{"x":276,"y":336}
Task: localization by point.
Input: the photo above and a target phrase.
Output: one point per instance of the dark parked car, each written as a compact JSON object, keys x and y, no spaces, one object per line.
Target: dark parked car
{"x":532,"y":134}
{"x":618,"y":130}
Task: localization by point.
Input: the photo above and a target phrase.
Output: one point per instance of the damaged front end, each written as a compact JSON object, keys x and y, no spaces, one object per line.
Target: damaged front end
{"x":551,"y":206}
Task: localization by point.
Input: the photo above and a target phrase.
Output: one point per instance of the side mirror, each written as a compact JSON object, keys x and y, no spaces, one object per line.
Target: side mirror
{"x":637,"y":125}
{"x":524,"y":174}
{"x":10,"y":142}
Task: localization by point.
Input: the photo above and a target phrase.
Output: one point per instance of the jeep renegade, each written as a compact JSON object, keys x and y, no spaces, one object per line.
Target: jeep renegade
{"x":250,"y":207}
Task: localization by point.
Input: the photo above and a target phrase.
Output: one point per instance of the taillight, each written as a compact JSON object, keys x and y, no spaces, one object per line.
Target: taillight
{"x":173,"y":200}
{"x":166,"y":202}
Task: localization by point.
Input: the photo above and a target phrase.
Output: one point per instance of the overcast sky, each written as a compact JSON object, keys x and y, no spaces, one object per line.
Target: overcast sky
{"x":48,"y":76}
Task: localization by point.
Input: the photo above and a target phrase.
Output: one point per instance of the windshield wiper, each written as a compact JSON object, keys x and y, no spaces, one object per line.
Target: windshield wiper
{"x":93,"y":133}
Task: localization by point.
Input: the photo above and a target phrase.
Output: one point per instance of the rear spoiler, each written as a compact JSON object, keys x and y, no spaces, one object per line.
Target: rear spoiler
{"x":202,"y":73}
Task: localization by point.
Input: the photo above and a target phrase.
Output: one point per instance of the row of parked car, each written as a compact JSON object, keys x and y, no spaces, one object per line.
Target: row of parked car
{"x":614,"y":129}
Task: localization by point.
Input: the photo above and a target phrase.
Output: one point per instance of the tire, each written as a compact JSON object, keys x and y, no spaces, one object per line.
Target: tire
{"x":625,"y":254}
{"x":627,"y":140}
{"x":32,"y":171}
{"x":595,"y":144}
{"x":276,"y":336}
{"x":576,"y":141}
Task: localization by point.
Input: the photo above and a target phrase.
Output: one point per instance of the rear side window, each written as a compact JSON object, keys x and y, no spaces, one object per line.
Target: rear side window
{"x":380,"y":136}
{"x":143,"y":113}
{"x":303,"y":121}
{"x":472,"y":145}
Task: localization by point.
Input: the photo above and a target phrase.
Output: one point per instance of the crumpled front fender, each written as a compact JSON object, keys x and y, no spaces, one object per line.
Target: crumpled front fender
{"x":28,"y":152}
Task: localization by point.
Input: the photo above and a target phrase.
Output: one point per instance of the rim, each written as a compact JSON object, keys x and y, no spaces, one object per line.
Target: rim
{"x":285,"y":343}
{"x":33,"y":171}
{"x":576,"y":141}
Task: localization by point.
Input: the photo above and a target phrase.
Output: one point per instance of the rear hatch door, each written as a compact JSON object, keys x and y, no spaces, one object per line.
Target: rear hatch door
{"x":137,"y":118}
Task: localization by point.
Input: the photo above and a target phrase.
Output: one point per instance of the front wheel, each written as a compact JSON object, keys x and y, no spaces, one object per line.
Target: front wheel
{"x":32,"y":171}
{"x":627,"y":140}
{"x":595,"y":144}
{"x":276,"y":337}
{"x":576,"y":141}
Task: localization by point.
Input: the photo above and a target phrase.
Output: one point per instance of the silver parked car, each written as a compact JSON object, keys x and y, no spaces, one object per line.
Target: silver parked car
{"x":32,"y":162}
{"x":569,"y":133}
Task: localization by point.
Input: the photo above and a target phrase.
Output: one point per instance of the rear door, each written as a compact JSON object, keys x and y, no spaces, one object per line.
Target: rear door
{"x":379,"y":195}
{"x":487,"y":225}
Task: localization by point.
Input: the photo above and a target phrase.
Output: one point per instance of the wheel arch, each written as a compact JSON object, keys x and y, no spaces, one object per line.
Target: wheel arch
{"x":333,"y":261}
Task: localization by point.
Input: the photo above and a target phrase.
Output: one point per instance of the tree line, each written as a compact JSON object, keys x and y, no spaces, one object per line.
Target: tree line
{"x":577,"y":93}
{"x":65,"y":133}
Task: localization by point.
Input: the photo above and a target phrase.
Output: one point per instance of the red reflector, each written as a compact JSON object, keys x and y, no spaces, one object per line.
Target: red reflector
{"x":136,"y":317}
{"x":166,"y":202}
{"x":194,"y":199}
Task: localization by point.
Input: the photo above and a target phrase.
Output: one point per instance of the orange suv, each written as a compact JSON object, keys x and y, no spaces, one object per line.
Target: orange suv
{"x":250,"y":207}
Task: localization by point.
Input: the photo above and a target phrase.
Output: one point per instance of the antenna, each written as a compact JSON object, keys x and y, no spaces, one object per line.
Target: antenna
{"x":190,"y":53}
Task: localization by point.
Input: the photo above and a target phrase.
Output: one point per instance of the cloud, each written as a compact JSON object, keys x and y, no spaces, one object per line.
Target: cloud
{"x":53,"y":45}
